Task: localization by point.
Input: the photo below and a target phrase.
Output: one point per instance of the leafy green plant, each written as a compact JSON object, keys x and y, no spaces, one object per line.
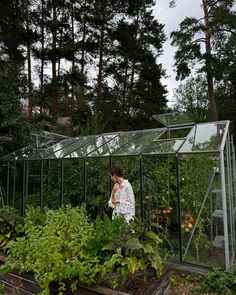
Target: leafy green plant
{"x":140,"y":248}
{"x":67,"y":245}
{"x":11,"y":226}
{"x":55,"y":250}
{"x":1,"y":289}
{"x":220,"y":282}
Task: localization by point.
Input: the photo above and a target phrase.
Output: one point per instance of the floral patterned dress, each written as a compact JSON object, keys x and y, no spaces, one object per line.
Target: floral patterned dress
{"x":126,"y":207}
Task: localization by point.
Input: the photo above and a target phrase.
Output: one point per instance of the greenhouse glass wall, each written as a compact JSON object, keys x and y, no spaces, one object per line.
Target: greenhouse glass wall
{"x":183,"y":177}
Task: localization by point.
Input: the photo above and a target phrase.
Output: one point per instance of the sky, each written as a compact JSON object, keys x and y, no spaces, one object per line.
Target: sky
{"x":171,"y":17}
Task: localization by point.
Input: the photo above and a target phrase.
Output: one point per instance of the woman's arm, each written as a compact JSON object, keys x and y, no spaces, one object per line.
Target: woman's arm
{"x":115,"y":189}
{"x":110,"y":202}
{"x":113,"y":199}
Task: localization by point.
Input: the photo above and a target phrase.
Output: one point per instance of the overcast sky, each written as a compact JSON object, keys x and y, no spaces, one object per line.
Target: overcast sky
{"x":171,"y":17}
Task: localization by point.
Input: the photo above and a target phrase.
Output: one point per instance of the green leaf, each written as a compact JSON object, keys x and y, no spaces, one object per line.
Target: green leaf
{"x":8,"y":235}
{"x":5,"y":269}
{"x":153,"y":236}
{"x":148,"y":248}
{"x":156,"y":263}
{"x":133,"y":244}
{"x":110,"y":246}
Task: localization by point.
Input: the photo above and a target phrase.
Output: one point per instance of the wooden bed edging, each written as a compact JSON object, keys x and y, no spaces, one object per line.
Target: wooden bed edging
{"x":24,"y":284}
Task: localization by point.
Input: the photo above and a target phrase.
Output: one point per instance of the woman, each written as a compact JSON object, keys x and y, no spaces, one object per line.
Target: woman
{"x":122,"y":196}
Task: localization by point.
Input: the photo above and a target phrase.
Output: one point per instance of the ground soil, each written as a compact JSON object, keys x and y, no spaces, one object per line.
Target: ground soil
{"x":182,"y":285}
{"x":179,"y":284}
{"x":134,"y":284}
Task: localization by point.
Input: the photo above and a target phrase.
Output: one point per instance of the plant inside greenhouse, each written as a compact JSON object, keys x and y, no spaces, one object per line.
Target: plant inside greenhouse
{"x":183,"y":176}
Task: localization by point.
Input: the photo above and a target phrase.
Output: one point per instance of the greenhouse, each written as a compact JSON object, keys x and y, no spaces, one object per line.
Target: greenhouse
{"x":183,"y":177}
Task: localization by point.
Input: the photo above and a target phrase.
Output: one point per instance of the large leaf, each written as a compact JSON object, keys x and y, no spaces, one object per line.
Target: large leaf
{"x":156,"y":263}
{"x":148,"y":248}
{"x":133,"y":244}
{"x":153,"y":237}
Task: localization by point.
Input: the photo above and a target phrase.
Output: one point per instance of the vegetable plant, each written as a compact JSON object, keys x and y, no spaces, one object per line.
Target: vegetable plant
{"x":64,"y":244}
{"x":11,"y":226}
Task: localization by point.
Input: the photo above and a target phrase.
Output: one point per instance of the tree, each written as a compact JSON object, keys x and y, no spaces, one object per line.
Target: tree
{"x":189,"y":46}
{"x":12,"y":78}
{"x":93,"y":58}
{"x":192,"y":98}
{"x":108,"y":12}
{"x":29,"y":39}
{"x":11,"y":17}
{"x":39,"y":14}
{"x":13,"y":126}
{"x":137,"y":91}
{"x":225,"y":75}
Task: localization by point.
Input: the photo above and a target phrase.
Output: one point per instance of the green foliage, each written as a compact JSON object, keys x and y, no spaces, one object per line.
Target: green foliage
{"x":11,"y":227}
{"x":56,"y":250}
{"x":139,"y":247}
{"x":220,"y":282}
{"x":192,"y":98}
{"x":67,"y":245}
{"x":160,"y":201}
{"x":1,"y":289}
{"x":13,"y":126}
{"x":192,"y":32}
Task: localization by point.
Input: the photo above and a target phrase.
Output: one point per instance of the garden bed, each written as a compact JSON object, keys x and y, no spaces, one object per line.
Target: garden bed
{"x":24,"y":284}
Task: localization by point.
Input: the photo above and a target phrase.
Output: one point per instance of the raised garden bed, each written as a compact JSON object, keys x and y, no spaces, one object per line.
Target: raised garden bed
{"x":24,"y":284}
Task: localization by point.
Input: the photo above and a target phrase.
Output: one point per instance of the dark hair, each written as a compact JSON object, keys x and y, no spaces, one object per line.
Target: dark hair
{"x":116,"y":171}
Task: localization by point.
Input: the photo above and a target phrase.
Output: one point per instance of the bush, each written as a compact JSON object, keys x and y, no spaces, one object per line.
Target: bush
{"x":11,"y":226}
{"x":220,"y":282}
{"x":67,"y":245}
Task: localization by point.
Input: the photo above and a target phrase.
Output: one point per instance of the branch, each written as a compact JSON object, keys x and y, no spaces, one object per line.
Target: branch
{"x":198,"y":41}
{"x":225,"y":30}
{"x":194,"y":24}
{"x":211,"y":7}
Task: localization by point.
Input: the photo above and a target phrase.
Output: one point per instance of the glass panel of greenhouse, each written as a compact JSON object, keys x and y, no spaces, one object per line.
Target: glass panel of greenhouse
{"x":174,"y":119}
{"x":183,"y":176}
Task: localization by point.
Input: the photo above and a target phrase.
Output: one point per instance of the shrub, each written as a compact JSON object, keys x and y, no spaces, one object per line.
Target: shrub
{"x":11,"y":226}
{"x":220,"y":282}
{"x":67,"y":245}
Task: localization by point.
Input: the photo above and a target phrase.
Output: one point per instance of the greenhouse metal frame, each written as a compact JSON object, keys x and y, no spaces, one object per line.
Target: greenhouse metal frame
{"x":212,"y":138}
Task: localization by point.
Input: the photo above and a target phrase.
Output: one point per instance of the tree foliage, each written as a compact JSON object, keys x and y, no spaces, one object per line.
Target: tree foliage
{"x":196,"y":42}
{"x":192,"y":98}
{"x":84,"y":59}
{"x":13,"y":126}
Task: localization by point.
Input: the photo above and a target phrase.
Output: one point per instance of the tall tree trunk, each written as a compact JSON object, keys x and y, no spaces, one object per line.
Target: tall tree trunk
{"x":131,"y":90}
{"x":54,"y":68}
{"x":209,"y":70}
{"x":100,"y":67}
{"x":42,"y":54}
{"x":59,"y":56}
{"x":124,"y":108}
{"x":29,"y":80}
{"x":73,"y":56}
{"x":72,"y":100}
{"x":233,"y":83}
{"x":82,"y":96}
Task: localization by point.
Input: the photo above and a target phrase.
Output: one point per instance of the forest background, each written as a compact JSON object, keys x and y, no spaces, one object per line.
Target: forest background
{"x":91,"y":66}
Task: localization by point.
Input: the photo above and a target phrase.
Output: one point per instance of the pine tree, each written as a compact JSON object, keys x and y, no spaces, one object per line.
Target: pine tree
{"x":12,"y":17}
{"x":137,"y":93}
{"x":13,"y":126}
{"x":190,"y":51}
{"x":12,"y":78}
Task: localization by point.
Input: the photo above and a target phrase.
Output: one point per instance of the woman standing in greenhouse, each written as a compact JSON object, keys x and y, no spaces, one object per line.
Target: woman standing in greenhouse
{"x":122,"y":196}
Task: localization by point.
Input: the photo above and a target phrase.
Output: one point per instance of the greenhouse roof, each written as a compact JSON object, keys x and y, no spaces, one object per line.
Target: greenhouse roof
{"x":174,"y":119}
{"x":200,"y":138}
